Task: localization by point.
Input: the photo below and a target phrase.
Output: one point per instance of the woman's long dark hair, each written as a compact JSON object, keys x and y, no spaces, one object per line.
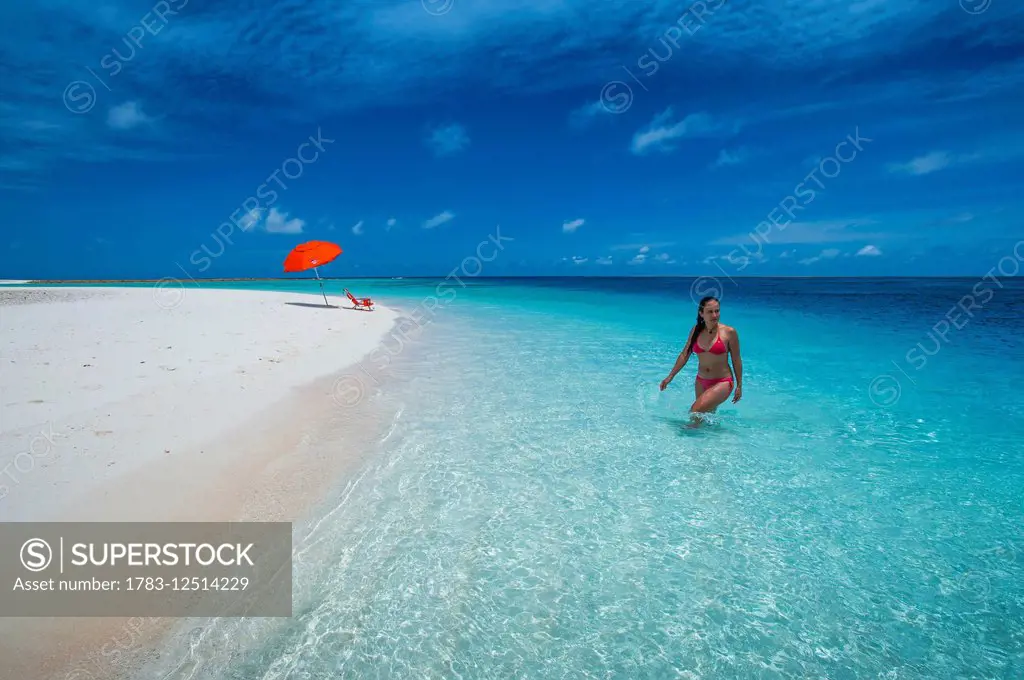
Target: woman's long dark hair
{"x":699,"y":328}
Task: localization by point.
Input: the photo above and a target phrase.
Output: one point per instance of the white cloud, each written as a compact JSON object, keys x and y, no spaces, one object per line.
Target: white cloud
{"x":448,"y":140}
{"x":604,"y":260}
{"x":126,"y":116}
{"x":939,"y":160}
{"x":784,"y":231}
{"x":278,"y":223}
{"x":571,"y":227}
{"x":391,"y":222}
{"x":639,"y":258}
{"x":731,"y":157}
{"x":579,"y":260}
{"x":358,"y":228}
{"x":641,"y":246}
{"x":438,"y":220}
{"x":251,"y":219}
{"x":661,"y":134}
{"x":662,"y":257}
{"x":866,"y":6}
{"x":923,"y":165}
{"x":584,"y":115}
{"x":827,"y":254}
{"x":392,"y":55}
{"x":869,"y":250}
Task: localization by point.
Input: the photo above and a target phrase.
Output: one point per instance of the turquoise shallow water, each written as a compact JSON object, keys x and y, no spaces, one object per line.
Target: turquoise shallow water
{"x":536,"y":510}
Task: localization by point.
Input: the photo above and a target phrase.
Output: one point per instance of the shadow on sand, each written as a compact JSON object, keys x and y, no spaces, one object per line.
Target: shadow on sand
{"x":312,"y":306}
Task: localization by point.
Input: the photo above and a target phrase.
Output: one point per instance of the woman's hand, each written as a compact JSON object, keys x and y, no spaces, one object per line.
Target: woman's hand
{"x":738,"y":395}
{"x":665,"y":382}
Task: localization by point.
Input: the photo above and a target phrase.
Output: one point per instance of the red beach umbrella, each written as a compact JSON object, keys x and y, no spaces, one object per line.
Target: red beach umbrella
{"x":310,"y":255}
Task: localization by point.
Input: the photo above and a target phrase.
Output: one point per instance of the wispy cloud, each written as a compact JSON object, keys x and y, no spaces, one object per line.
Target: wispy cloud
{"x":358,"y":228}
{"x":661,"y":134}
{"x":824,"y":231}
{"x":870,"y":251}
{"x":438,"y":220}
{"x":827,"y":254}
{"x":639,"y":246}
{"x":579,"y":260}
{"x":253,"y":219}
{"x":127,"y":116}
{"x":586,"y":114}
{"x":571,"y":227}
{"x":728,"y":157}
{"x":866,"y":6}
{"x":604,"y":260}
{"x":1010,"y":149}
{"x":395,"y":53}
{"x":924,"y":165}
{"x":448,"y":140}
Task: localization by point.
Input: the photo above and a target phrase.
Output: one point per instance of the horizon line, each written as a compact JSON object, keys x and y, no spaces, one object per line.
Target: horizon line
{"x":26,"y":281}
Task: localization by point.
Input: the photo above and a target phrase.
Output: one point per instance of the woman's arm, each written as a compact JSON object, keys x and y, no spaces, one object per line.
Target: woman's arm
{"x":681,"y":360}
{"x":737,"y":364}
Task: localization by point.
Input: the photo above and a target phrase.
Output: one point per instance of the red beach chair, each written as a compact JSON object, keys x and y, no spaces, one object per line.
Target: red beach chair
{"x":360,"y":303}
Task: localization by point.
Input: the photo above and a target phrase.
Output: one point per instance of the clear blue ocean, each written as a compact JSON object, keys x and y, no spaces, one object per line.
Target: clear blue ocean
{"x":536,"y":508}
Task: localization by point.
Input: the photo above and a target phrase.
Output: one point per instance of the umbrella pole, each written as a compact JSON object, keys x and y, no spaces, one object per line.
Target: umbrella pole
{"x":321,"y":286}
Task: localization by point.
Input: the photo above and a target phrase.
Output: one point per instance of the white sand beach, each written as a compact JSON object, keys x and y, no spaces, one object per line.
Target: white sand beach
{"x":139,"y":404}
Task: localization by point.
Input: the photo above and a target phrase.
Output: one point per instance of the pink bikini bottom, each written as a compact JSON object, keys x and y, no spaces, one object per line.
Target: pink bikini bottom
{"x":708,"y":382}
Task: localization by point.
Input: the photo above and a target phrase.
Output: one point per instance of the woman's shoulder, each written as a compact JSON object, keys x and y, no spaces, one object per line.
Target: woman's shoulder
{"x":729,"y":330}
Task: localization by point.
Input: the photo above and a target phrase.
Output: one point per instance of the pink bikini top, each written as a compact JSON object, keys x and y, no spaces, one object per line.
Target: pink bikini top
{"x":717,"y":347}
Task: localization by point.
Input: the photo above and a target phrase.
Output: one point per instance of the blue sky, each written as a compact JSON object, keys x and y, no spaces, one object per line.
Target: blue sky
{"x":776,"y":137}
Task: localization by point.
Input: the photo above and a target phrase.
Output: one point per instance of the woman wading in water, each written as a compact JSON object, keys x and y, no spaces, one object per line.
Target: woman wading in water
{"x":713,"y":343}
